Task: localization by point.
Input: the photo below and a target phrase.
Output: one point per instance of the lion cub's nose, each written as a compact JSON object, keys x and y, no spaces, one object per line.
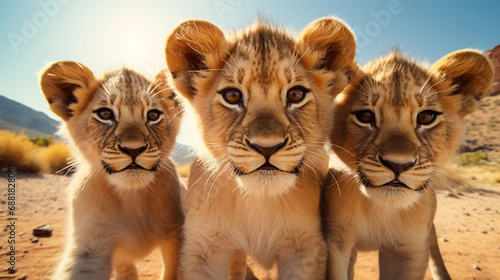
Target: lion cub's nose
{"x":267,"y":152}
{"x":397,"y":167}
{"x":133,"y":153}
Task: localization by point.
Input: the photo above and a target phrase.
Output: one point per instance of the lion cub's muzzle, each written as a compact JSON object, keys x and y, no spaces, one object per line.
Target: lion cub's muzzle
{"x":274,"y":155}
{"x":133,"y":153}
{"x":267,"y":152}
{"x":128,"y":156}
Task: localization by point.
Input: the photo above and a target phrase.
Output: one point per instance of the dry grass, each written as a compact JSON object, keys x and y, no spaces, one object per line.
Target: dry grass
{"x":56,"y":156}
{"x":16,"y":150}
{"x":184,"y":169}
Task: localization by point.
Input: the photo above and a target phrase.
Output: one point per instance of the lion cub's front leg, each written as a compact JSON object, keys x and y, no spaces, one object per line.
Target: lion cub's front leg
{"x":170,"y":254}
{"x":403,"y":264}
{"x":305,"y":262}
{"x":206,"y":254}
{"x":83,"y":261}
{"x":341,"y":259}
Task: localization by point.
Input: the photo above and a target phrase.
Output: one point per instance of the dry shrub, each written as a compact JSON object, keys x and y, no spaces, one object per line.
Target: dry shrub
{"x":184,"y":170}
{"x":55,"y":156}
{"x":16,"y":150}
{"x":19,"y":152}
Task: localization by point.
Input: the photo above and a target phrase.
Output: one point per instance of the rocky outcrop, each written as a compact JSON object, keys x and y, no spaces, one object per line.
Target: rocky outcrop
{"x":494,"y":55}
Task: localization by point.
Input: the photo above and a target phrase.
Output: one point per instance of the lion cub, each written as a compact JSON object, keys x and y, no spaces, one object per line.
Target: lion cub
{"x":394,"y":126}
{"x":262,"y":99}
{"x":125,"y":193}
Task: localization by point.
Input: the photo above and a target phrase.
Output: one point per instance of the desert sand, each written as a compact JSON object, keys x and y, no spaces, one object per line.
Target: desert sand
{"x":467,"y":222}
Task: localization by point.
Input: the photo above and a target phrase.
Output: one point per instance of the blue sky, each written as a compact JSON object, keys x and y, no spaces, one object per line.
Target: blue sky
{"x":111,"y":33}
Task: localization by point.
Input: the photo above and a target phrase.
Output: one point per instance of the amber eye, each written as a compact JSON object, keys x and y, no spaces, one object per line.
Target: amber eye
{"x":296,"y":94}
{"x":427,"y":117}
{"x":105,"y":114}
{"x":365,"y":116}
{"x":232,"y":96}
{"x":154,"y":115}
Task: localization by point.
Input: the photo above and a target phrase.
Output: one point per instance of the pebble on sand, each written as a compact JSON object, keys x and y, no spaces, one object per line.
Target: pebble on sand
{"x":43,"y":231}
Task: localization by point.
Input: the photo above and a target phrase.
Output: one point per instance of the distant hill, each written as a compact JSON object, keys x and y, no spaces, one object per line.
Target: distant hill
{"x":16,"y":117}
{"x":31,"y":133}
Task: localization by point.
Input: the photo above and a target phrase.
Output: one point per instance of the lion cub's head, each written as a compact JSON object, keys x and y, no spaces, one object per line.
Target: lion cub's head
{"x":399,"y":121}
{"x":262,"y":97}
{"x":122,"y":123}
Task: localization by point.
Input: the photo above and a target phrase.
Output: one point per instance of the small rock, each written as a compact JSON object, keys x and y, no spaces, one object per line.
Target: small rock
{"x":22,"y":234}
{"x":1,"y":247}
{"x":443,"y":239}
{"x":450,"y":194}
{"x":467,"y":214}
{"x":25,"y":252}
{"x":34,"y":240}
{"x":476,"y":267}
{"x":24,"y":277}
{"x":484,"y":231}
{"x":43,"y":231}
{"x":487,"y":209}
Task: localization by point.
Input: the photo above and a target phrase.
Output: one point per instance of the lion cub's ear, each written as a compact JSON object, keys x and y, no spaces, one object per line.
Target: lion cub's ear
{"x":192,"y":47}
{"x":161,"y":87}
{"x":331,"y":43}
{"x":60,"y":83}
{"x":469,"y":72}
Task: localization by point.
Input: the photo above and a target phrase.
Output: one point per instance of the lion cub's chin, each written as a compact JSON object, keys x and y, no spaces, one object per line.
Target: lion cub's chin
{"x":391,"y":197}
{"x":131,"y":179}
{"x":266,"y":183}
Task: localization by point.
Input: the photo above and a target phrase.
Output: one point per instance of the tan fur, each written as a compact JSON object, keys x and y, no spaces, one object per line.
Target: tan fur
{"x":117,"y":215}
{"x":386,"y":201}
{"x":232,"y":205}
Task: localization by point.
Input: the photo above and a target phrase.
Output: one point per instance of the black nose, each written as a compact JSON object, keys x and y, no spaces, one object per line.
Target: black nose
{"x":397,"y":168}
{"x":267,"y":152}
{"x":133,"y":153}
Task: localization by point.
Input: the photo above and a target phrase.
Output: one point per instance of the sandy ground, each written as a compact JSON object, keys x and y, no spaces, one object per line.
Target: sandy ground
{"x":468,"y":226}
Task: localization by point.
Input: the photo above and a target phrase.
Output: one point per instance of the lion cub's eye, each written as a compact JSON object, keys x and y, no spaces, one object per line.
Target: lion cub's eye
{"x":296,"y":94}
{"x":365,"y":116}
{"x":153,"y":115}
{"x":232,"y":96}
{"x":105,"y":114}
{"x":427,"y":117}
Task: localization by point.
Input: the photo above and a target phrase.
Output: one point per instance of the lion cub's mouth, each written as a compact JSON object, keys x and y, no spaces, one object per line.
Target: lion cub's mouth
{"x":394,"y":183}
{"x":132,"y":166}
{"x":267,"y":167}
{"x":397,"y":184}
